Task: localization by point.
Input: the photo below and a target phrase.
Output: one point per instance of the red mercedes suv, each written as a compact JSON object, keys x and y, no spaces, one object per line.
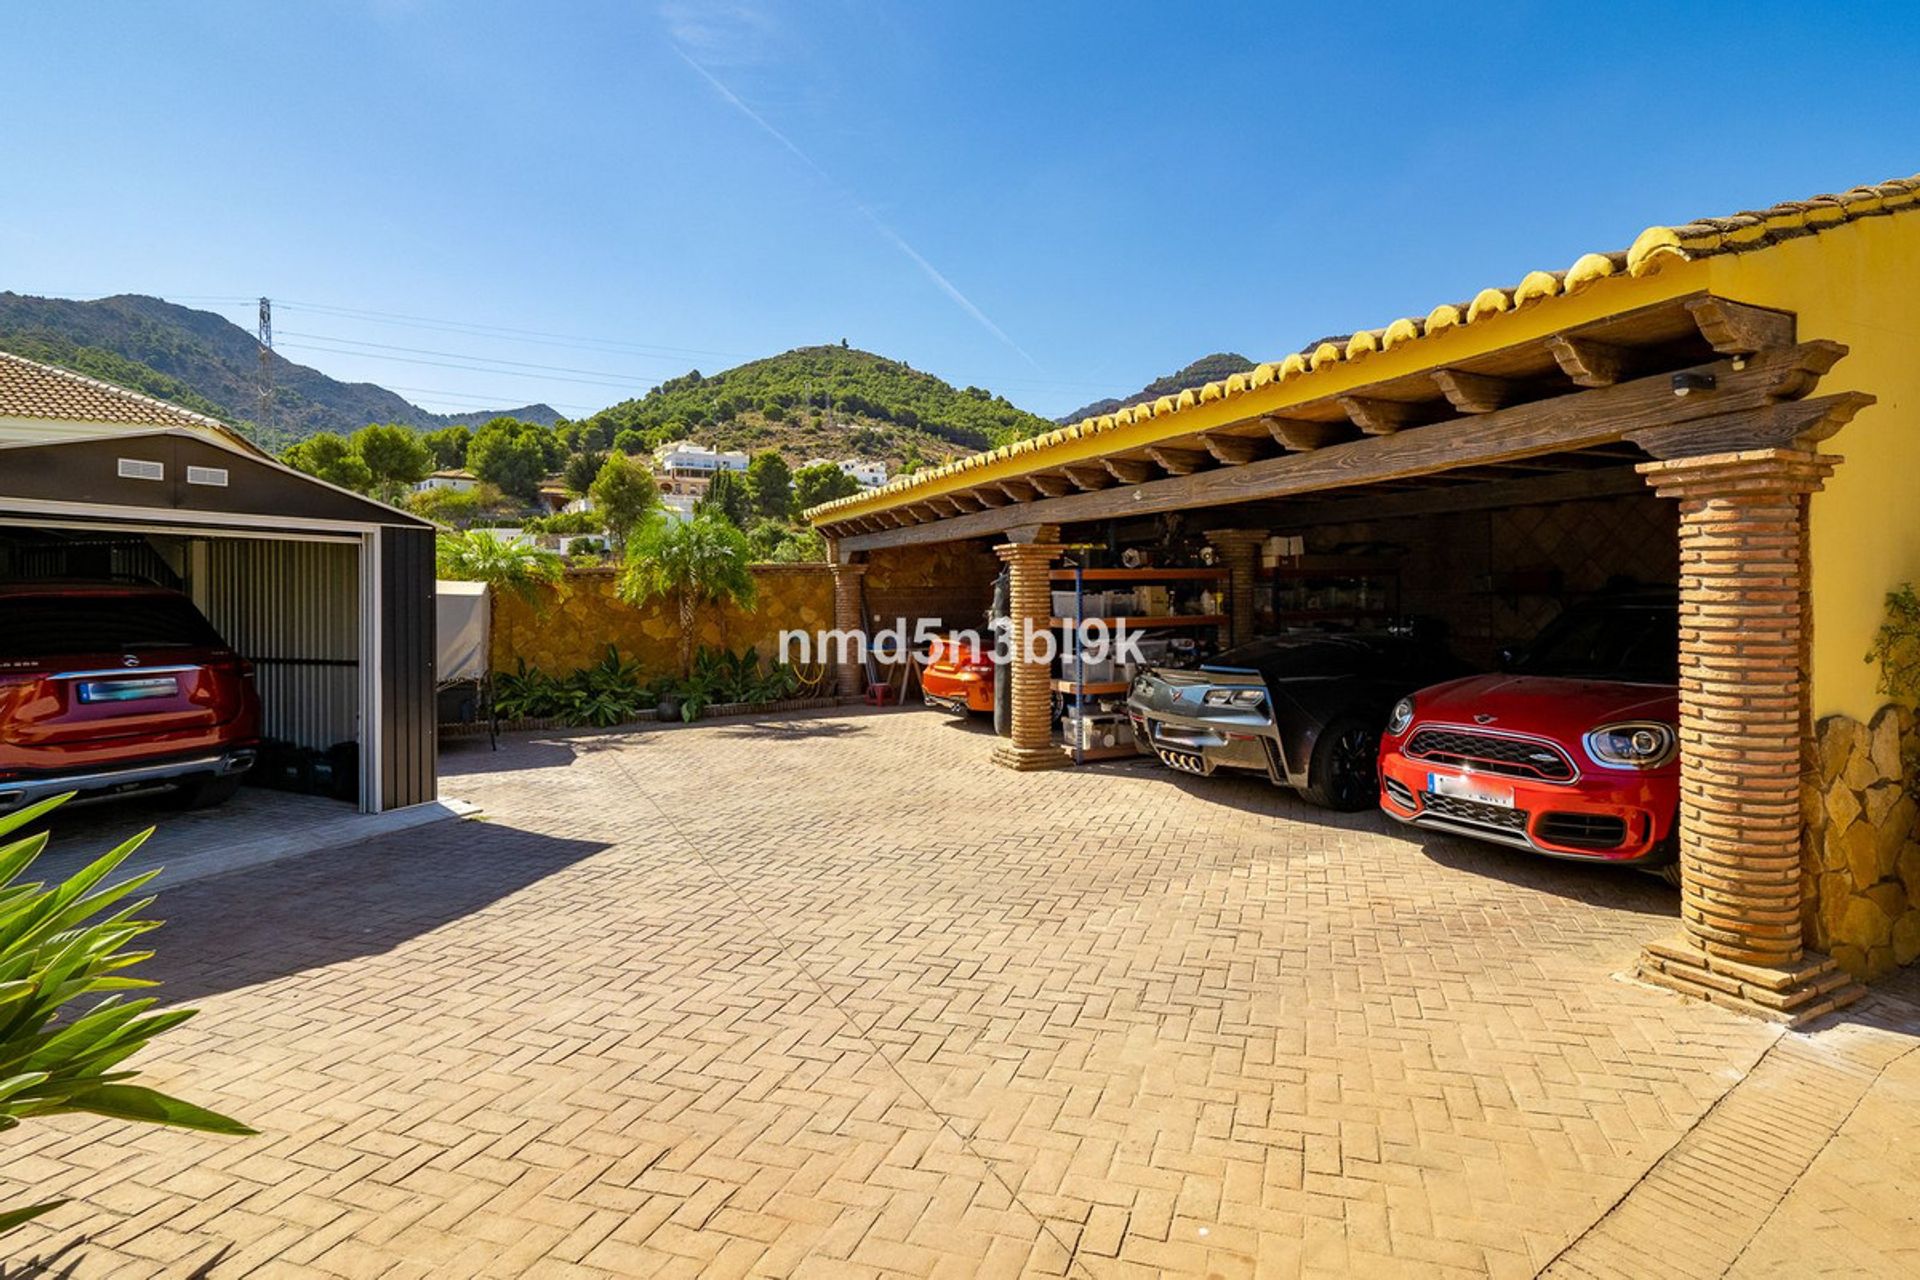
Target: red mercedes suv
{"x":1571,"y":751}
{"x":109,"y":688}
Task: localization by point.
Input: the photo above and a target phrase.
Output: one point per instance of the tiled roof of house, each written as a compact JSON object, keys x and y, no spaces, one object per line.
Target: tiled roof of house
{"x":1653,"y":248}
{"x":29,"y":389}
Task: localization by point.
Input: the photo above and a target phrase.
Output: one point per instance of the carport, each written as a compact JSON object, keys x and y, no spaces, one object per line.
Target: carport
{"x":329,"y":594}
{"x":1677,"y":369}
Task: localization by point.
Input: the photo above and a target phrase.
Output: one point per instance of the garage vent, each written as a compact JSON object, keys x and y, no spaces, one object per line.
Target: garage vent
{"x":216,"y":476}
{"x":142,"y":469}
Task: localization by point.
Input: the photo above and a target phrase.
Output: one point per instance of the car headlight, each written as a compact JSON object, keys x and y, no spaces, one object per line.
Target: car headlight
{"x":1634,"y":744}
{"x":1234,"y":698}
{"x":1401,"y":716}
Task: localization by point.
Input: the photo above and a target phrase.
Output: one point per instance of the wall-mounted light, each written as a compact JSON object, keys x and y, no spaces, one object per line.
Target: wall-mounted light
{"x":1685,"y":384}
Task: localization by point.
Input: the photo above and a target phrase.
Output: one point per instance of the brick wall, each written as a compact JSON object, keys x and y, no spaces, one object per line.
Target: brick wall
{"x":583,"y":615}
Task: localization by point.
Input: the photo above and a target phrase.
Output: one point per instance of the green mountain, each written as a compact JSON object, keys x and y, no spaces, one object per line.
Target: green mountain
{"x":1202,"y":371}
{"x":825,"y":401}
{"x":206,"y":363}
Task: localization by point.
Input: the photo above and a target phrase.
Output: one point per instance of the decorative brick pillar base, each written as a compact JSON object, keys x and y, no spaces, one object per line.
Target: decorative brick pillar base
{"x":1743,"y":660}
{"x":1240,"y":555}
{"x":850,"y":681}
{"x":1030,"y":612}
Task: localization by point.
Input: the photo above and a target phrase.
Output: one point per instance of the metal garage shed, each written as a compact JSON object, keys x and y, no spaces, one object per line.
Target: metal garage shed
{"x":328,"y":593}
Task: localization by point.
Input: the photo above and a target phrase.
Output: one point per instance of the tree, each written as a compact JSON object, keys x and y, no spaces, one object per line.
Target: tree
{"x":727,"y":496}
{"x":517,"y":565}
{"x":448,"y":446}
{"x":628,"y":440}
{"x":624,"y":494}
{"x":821,"y":482}
{"x":692,"y":563}
{"x":508,"y":455}
{"x":578,"y":475}
{"x":61,"y":944}
{"x":330,"y":457}
{"x":770,"y":481}
{"x":456,"y":507}
{"x":395,"y":455}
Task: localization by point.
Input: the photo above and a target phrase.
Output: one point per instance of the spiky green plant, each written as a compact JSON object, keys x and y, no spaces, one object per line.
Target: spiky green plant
{"x":58,"y":946}
{"x":474,"y":555}
{"x":693,"y":562}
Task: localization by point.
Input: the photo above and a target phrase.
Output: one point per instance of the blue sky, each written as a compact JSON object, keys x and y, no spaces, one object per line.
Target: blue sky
{"x":1057,"y":201}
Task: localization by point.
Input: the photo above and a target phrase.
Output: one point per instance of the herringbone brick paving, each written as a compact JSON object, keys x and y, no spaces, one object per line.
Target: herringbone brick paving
{"x":833,"y":996}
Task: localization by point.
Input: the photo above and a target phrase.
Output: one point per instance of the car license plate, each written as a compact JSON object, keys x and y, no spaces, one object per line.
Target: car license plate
{"x":129,"y":690}
{"x":1470,"y":788}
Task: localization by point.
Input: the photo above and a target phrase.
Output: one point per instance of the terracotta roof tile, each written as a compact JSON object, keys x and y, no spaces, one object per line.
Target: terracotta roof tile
{"x":29,"y":389}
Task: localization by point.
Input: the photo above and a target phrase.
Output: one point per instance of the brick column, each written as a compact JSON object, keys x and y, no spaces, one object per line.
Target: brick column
{"x":1743,"y":696}
{"x":849,"y":679}
{"x":1240,"y":555}
{"x":1029,"y":610}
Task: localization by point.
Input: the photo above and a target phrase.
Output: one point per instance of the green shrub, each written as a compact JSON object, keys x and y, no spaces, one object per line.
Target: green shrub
{"x":57,"y":946}
{"x":602,"y":695}
{"x":1896,"y":646}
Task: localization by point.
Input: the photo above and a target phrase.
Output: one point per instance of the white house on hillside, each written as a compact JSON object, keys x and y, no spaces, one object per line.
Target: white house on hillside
{"x":868,"y":475}
{"x":458,"y":481}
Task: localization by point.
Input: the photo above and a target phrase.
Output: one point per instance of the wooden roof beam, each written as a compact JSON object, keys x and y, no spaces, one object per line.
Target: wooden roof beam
{"x":1477,"y":392}
{"x":1377,"y":417}
{"x":1590,"y":363}
{"x":989,"y":496}
{"x":1018,"y":490}
{"x":1300,"y":435}
{"x":1742,"y":405}
{"x":1128,"y":470}
{"x":1736,"y":329}
{"x":1089,"y":477}
{"x":1049,"y":485}
{"x":1177,"y":462}
{"x":1234,"y":451}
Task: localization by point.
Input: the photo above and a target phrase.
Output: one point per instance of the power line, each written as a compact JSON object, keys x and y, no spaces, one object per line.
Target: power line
{"x":464,"y":368}
{"x":536,"y":335}
{"x":460,"y":355}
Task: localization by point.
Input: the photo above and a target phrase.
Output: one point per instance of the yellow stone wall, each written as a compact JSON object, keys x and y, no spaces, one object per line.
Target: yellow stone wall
{"x":1861,"y":874}
{"x":582,"y":616}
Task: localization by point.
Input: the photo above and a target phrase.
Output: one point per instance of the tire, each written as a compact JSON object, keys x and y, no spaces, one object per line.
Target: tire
{"x":1669,"y":873}
{"x":1344,"y":774}
{"x":205,"y":793}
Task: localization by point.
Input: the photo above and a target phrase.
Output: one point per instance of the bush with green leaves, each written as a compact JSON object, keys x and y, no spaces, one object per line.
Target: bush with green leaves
{"x":605,"y":694}
{"x":59,"y":946}
{"x":719,"y":678}
{"x":1896,"y":646}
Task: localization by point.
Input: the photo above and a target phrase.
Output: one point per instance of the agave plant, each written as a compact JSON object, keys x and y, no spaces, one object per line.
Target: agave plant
{"x":58,"y":946}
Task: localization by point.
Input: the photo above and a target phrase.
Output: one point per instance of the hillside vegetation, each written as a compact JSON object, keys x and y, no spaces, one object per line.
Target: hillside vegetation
{"x":823,"y":401}
{"x":1206,"y":369}
{"x":205,"y":362}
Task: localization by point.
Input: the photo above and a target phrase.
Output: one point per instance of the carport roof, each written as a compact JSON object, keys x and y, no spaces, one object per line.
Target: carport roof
{"x":32,"y":390}
{"x":1655,"y":248}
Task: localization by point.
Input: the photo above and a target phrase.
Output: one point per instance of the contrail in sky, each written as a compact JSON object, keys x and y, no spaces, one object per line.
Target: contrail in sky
{"x":898,"y":241}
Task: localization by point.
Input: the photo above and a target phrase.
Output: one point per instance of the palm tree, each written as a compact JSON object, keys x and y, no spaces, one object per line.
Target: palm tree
{"x":693,"y":562}
{"x":516,"y":565}
{"x":504,"y":565}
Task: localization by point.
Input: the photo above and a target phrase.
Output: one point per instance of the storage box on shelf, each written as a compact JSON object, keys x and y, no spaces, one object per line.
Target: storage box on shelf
{"x":1354,"y":589}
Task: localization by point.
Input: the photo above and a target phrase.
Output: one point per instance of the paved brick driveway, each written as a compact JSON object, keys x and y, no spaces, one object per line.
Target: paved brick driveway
{"x":834,"y":996}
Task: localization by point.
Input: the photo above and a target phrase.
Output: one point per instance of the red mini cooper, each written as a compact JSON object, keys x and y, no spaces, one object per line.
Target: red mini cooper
{"x":1571,"y":751}
{"x":109,"y":688}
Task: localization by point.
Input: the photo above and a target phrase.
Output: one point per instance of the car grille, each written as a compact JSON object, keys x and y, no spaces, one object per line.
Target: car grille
{"x":1489,"y":753}
{"x":1402,"y":794}
{"x":1583,"y":830}
{"x":1480,"y":815}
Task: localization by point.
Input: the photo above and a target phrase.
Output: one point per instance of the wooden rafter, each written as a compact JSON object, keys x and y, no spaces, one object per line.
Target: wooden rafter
{"x":1234,"y":451}
{"x":989,"y":496}
{"x":1377,"y":417}
{"x":1736,"y":329}
{"x":1050,"y":485}
{"x":1590,"y":363}
{"x":1477,"y":392}
{"x":1128,"y":470}
{"x":1019,"y":490}
{"x":1177,"y":462}
{"x":1089,"y":476}
{"x":1300,"y":435}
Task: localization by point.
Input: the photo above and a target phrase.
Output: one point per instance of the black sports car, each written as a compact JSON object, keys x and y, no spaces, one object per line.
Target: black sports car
{"x":1304,"y":709}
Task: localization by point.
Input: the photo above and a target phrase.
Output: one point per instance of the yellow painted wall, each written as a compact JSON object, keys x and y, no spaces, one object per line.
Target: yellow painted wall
{"x":583,"y":615}
{"x":1858,"y":284}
